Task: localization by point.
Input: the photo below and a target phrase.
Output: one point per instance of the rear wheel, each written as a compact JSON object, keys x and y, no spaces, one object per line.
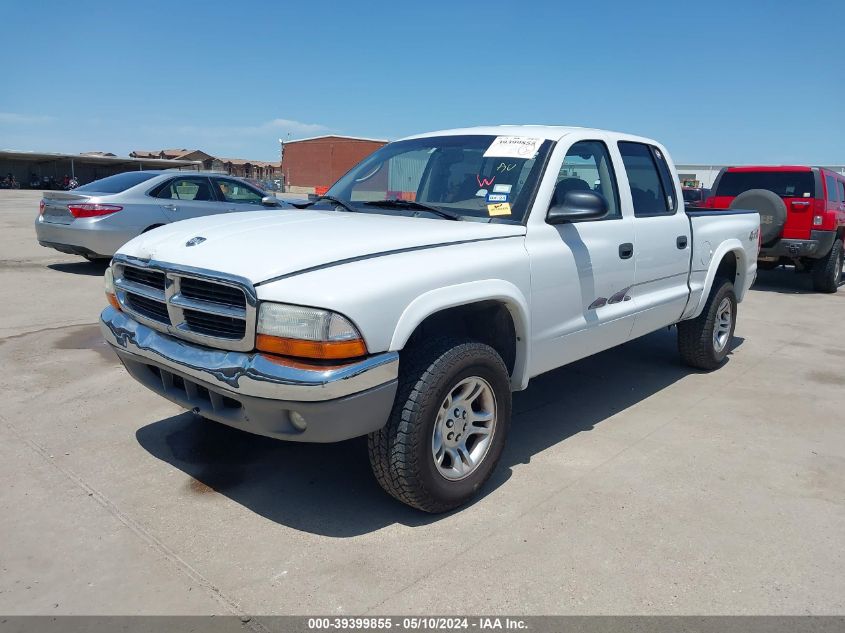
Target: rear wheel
{"x":828,"y":271}
{"x":448,"y":426}
{"x":704,"y":342}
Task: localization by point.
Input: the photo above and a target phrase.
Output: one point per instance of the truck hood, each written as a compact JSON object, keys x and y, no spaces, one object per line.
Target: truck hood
{"x":265,"y":245}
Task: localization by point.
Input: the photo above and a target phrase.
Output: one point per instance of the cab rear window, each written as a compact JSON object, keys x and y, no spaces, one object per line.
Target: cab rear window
{"x":786,"y":184}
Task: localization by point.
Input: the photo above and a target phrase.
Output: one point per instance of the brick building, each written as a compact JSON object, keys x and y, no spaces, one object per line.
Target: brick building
{"x":315,"y":163}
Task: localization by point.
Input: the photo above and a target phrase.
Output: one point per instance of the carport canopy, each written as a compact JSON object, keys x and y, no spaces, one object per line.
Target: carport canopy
{"x":85,"y":167}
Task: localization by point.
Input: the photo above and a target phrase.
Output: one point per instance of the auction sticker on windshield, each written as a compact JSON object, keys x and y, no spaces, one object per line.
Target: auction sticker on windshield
{"x":513,"y":147}
{"x":500,"y":208}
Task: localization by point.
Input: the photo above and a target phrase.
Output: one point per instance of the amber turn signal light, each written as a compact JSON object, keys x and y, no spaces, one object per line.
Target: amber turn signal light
{"x":113,"y":301}
{"x":321,"y":350}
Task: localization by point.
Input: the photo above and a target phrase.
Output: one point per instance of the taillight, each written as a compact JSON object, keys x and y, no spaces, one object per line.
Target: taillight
{"x":819,"y":214}
{"x":41,"y":207}
{"x":92,"y":210}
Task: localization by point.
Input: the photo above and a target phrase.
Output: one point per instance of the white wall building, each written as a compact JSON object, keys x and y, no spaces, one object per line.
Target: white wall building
{"x":706,"y":174}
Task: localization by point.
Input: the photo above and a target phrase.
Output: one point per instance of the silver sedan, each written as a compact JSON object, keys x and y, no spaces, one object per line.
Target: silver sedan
{"x":98,"y":218}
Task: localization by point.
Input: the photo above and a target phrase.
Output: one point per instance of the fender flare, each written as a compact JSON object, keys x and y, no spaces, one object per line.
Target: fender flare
{"x":447,"y":297}
{"x":728,"y":246}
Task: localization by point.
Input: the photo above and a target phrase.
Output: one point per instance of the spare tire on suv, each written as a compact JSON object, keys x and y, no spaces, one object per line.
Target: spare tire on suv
{"x":771,"y":208}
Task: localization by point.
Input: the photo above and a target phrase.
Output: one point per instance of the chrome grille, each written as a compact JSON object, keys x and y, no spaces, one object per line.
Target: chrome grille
{"x":152,"y":278}
{"x":148,"y":307}
{"x":205,"y":291}
{"x":197,"y":305}
{"x":214,"y":325}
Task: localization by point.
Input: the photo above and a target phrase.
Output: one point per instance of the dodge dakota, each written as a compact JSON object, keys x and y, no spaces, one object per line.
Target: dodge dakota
{"x":435,"y":278}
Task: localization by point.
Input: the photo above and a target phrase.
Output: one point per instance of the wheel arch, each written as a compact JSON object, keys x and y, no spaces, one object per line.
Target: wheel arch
{"x":728,"y":262}
{"x":492,"y":311}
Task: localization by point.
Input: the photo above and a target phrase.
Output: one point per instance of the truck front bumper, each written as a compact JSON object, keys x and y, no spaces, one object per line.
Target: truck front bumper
{"x":253,"y":392}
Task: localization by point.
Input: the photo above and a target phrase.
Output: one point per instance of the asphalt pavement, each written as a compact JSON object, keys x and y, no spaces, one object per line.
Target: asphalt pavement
{"x":630,"y":484}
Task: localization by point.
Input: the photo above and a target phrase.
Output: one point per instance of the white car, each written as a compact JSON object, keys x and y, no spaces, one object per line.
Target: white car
{"x":439,"y":275}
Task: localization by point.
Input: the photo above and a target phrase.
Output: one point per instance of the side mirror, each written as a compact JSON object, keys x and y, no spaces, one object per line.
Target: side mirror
{"x":578,"y":205}
{"x":270,"y":201}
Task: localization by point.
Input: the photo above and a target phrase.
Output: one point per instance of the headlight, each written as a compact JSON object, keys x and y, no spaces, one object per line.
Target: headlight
{"x":306,"y":333}
{"x":110,"y":293}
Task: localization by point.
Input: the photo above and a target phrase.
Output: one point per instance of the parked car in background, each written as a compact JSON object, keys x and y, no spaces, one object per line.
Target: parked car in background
{"x":802,"y":216}
{"x":695,"y":197}
{"x":96,"y":219}
{"x":436,"y":277}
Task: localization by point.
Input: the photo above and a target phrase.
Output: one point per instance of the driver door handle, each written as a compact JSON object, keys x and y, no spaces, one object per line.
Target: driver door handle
{"x":681,"y":242}
{"x":626,"y":250}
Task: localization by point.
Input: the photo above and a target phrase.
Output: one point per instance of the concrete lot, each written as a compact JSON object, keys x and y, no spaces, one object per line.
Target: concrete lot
{"x":630,"y":484}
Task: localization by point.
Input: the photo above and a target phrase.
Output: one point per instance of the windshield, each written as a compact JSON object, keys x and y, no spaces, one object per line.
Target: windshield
{"x":478,"y":177}
{"x":786,"y":184}
{"x":117,"y":183}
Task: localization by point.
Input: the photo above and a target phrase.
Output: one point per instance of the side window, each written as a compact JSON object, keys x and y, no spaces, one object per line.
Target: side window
{"x":587,"y":167}
{"x":832,"y":189}
{"x":842,"y":191}
{"x":647,"y":183}
{"x":186,"y":189}
{"x":235,"y":191}
{"x":666,"y":179}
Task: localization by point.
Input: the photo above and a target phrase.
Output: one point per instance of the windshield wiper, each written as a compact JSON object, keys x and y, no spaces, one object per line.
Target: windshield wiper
{"x":337,"y":201}
{"x":394,"y":203}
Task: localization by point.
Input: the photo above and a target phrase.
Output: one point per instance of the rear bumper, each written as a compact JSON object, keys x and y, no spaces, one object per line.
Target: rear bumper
{"x":250,"y":392}
{"x":81,"y":237}
{"x":817,"y":246}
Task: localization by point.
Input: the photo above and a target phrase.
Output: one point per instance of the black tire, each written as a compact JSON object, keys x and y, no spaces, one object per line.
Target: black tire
{"x":828,"y":271}
{"x":695,"y":337}
{"x":771,"y":208}
{"x":401,"y":452}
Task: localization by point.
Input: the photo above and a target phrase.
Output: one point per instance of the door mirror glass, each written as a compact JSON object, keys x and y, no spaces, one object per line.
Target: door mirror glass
{"x":578,"y":205}
{"x":270,"y":201}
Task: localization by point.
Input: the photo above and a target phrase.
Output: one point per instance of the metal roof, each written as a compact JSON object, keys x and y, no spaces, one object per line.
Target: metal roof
{"x":43,"y":157}
{"x":347,"y":138}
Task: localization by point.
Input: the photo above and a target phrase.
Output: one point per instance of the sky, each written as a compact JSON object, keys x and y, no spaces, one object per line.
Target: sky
{"x":716,"y":82}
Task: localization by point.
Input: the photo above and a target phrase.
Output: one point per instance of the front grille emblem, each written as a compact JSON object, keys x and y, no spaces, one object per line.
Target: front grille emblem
{"x":194,"y":241}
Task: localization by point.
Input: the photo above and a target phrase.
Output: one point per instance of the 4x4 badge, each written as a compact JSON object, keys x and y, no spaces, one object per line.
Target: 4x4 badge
{"x":194,"y":241}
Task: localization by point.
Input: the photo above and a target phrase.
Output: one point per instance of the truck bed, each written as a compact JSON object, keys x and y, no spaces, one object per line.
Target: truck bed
{"x":714,"y":233}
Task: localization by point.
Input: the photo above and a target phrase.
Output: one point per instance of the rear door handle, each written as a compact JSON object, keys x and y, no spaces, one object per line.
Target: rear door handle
{"x":681,"y":242}
{"x":170,"y":207}
{"x":626,"y":250}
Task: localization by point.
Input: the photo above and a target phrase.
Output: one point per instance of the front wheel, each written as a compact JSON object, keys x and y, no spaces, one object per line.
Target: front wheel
{"x":448,"y":426}
{"x":704,"y":342}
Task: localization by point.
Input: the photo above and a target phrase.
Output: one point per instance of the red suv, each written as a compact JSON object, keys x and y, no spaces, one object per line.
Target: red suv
{"x":802,"y":216}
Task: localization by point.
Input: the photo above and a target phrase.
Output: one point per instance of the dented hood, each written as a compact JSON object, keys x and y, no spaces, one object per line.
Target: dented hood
{"x":264,"y":245}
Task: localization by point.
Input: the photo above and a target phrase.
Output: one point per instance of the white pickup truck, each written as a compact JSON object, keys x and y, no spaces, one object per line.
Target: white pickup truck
{"x":436,"y":277}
